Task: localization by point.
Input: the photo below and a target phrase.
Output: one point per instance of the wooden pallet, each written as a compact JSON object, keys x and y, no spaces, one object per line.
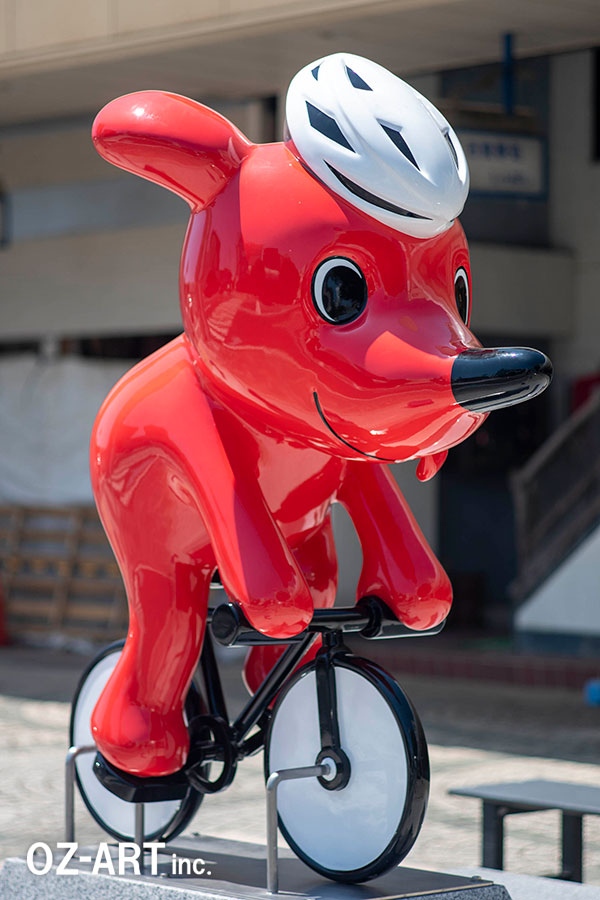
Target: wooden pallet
{"x":59,"y":575}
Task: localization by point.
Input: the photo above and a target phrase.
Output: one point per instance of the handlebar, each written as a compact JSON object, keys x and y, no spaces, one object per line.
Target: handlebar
{"x":371,"y":618}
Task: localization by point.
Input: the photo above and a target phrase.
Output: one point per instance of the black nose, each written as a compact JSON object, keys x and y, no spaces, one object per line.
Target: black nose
{"x":488,"y":379}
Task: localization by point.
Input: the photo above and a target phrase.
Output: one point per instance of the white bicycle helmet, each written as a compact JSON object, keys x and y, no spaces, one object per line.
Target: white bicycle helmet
{"x":377,"y":143}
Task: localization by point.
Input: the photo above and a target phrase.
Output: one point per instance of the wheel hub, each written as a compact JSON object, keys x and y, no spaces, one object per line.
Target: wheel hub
{"x":339,"y":768}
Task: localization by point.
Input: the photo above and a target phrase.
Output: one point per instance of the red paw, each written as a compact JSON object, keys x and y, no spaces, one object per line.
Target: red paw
{"x":137,"y":739}
{"x":281,"y":616}
{"x":422,"y":606}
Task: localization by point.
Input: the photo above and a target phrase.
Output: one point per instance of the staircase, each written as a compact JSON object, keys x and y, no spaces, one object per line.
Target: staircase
{"x":557,"y":502}
{"x":557,"y":498}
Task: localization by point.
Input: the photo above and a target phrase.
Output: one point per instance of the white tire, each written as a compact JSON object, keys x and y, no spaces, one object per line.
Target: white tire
{"x":365,"y":828}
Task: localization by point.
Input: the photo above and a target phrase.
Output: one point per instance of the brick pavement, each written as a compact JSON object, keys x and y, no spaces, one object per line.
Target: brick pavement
{"x":477,"y":732}
{"x":453,"y":660}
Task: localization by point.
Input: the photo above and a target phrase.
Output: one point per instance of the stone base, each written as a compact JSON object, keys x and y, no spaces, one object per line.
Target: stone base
{"x":532,"y":887}
{"x":232,"y":870}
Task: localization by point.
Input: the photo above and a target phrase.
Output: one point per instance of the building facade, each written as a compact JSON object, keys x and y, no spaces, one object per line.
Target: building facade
{"x":89,"y":256}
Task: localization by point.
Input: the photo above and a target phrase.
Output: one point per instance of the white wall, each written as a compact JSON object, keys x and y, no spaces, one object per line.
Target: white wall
{"x":110,"y":282}
{"x":103,"y":255}
{"x":126,"y":281}
{"x":94,"y":278}
{"x":569,"y":601}
{"x":521,"y":290}
{"x":47,"y":410}
{"x":61,"y":152}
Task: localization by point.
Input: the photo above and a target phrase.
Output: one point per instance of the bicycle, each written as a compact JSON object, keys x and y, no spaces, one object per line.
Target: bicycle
{"x":358,"y":818}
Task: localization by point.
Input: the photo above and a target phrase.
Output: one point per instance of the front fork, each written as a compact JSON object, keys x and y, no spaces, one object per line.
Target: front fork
{"x":331,"y":752}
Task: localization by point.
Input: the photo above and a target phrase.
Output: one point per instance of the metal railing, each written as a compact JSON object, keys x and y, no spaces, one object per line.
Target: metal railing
{"x":557,"y":497}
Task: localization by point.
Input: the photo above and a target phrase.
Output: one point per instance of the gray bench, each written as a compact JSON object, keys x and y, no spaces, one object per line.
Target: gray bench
{"x":574,"y":801}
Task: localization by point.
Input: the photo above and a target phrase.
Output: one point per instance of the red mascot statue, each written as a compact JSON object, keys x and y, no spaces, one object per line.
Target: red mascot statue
{"x":325,"y":292}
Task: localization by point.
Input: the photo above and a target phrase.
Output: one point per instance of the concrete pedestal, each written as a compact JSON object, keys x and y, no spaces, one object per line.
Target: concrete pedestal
{"x":231,"y":870}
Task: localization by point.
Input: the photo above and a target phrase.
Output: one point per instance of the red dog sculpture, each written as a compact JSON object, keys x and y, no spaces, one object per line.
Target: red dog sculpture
{"x":325,"y":335}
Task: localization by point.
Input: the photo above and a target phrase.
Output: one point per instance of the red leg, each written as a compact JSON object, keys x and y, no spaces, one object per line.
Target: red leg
{"x":318,"y":562}
{"x":398,"y":564}
{"x":161,"y":545}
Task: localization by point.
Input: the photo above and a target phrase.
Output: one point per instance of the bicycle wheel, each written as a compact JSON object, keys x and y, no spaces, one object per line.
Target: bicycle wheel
{"x":162,"y":820}
{"x":367,"y":827}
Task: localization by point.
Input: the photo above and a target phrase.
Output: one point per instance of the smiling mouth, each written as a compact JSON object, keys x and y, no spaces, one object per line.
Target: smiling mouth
{"x":356,"y":450}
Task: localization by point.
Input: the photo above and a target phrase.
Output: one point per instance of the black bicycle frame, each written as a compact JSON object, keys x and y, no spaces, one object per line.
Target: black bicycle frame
{"x":230,"y":741}
{"x":260,"y":701}
{"x":370,"y":617}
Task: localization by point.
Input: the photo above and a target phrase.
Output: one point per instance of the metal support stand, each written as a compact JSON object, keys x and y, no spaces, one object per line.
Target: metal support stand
{"x":72,"y":755}
{"x":139,"y":832}
{"x":237,"y":860}
{"x":273,"y":782}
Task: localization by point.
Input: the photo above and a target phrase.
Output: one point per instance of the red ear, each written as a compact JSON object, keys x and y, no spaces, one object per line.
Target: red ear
{"x":171,"y":140}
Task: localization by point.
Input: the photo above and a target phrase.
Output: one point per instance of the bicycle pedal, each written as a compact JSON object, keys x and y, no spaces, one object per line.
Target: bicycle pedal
{"x":136,"y":789}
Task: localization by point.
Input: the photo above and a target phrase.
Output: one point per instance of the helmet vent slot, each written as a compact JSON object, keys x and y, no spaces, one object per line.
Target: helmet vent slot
{"x":395,"y":136}
{"x":356,"y":81}
{"x":372,"y":198}
{"x":315,"y":72}
{"x":327,"y":126}
{"x":452,"y":148}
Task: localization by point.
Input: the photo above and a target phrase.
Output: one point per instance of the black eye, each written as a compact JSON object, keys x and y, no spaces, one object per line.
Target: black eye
{"x":339,"y":290}
{"x":462,"y":295}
